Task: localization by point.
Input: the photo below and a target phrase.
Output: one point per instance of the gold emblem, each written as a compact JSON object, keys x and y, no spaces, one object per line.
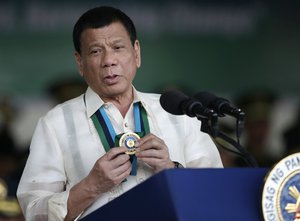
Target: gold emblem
{"x":129,"y":140}
{"x":281,"y":196}
{"x":294,"y":207}
{"x":3,"y":189}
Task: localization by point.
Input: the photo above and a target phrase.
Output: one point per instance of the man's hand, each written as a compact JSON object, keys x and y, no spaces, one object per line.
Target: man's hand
{"x":110,"y":170}
{"x":153,"y":151}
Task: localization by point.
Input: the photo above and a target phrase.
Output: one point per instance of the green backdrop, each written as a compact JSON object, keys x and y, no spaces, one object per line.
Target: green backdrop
{"x":268,"y":57}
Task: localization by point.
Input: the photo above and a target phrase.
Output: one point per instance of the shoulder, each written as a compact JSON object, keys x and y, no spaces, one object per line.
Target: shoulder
{"x":150,"y":97}
{"x":153,"y":106}
{"x":70,"y":107}
{"x":151,"y":102}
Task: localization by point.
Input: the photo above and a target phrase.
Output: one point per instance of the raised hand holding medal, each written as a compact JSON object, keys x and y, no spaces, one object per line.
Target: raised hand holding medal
{"x":153,"y":151}
{"x":110,"y":139}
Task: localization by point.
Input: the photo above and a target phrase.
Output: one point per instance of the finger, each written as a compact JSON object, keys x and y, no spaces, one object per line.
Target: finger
{"x":114,"y":168}
{"x":150,"y":142}
{"x":121,"y":177}
{"x":153,"y":153}
{"x":122,"y":170}
{"x":115,"y":177}
{"x":114,"y":152}
{"x":120,"y":160}
{"x":148,"y":138}
{"x":120,"y":173}
{"x":151,"y":161}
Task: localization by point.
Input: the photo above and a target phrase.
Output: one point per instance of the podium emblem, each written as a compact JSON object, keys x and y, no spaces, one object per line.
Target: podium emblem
{"x":281,"y":192}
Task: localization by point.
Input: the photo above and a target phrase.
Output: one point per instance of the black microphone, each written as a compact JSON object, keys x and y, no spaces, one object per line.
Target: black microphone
{"x":177,"y":103}
{"x":220,"y":105}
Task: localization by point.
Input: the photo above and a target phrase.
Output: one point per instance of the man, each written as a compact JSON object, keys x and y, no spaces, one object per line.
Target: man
{"x":78,"y":160}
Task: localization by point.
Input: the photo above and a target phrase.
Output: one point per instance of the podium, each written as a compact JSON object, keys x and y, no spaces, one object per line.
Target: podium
{"x":190,"y":195}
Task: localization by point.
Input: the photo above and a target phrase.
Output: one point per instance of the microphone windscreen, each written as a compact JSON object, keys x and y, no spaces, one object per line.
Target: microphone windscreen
{"x":171,"y":102}
{"x":206,"y":98}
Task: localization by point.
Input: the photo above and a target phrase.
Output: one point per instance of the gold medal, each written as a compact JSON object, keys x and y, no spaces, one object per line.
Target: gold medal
{"x":128,"y":140}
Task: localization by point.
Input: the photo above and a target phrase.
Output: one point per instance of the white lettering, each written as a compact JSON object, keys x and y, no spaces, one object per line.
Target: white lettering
{"x":277,"y":175}
{"x":292,"y":163}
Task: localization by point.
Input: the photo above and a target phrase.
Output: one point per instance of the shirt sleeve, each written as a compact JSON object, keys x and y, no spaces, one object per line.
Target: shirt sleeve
{"x":42,"y":192}
{"x":200,"y":150}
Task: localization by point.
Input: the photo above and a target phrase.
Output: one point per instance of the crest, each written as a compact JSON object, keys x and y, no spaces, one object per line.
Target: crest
{"x":281,"y":192}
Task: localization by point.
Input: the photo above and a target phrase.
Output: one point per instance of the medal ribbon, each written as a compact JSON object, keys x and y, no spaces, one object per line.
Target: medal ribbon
{"x":108,"y":136}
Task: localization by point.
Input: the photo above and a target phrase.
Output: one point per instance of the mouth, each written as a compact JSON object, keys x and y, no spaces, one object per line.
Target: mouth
{"x":111,"y":79}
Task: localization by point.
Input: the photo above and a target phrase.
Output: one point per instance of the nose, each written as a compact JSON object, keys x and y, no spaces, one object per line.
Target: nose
{"x":109,"y":58}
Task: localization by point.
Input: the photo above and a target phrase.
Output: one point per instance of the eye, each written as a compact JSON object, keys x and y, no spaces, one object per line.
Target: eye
{"x":118,"y":47}
{"x":95,"y":51}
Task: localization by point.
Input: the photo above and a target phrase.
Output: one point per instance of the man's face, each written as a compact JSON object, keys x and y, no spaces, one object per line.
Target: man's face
{"x":108,"y":61}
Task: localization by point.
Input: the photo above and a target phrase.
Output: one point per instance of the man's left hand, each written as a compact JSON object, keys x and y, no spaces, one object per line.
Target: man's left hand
{"x":154,"y":152}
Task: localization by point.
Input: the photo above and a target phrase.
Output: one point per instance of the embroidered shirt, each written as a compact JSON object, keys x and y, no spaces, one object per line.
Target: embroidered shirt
{"x":66,"y":145}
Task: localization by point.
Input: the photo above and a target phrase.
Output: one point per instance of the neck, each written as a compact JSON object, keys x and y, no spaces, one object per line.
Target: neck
{"x":122,"y":102}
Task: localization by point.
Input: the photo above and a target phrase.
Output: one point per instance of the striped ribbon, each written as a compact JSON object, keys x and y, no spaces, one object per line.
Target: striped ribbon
{"x":108,"y":136}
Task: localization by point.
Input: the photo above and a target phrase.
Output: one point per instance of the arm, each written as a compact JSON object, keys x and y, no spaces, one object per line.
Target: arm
{"x":43,"y":183}
{"x":109,"y":171}
{"x":43,"y":192}
{"x":198,"y":149}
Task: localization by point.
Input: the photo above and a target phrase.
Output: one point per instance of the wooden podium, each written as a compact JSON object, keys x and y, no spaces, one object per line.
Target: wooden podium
{"x":190,"y":195}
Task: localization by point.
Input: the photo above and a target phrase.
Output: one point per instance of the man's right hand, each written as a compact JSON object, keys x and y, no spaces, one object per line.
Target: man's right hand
{"x":109,"y":170}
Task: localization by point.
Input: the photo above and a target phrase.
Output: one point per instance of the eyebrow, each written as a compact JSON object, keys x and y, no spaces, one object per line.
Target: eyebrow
{"x":98,"y":44}
{"x":118,"y":40}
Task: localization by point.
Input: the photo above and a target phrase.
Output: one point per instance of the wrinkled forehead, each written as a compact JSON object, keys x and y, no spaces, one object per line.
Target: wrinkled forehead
{"x":114,"y":32}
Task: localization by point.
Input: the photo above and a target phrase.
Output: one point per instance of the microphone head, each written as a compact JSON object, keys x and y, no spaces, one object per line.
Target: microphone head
{"x":172,"y":101}
{"x":206,"y":98}
{"x":212,"y":101}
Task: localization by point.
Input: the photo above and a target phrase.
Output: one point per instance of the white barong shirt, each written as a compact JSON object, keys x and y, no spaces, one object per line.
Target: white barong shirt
{"x":66,"y":145}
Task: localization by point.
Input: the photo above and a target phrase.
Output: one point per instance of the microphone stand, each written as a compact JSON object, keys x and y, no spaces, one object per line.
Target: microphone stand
{"x":209,"y":125}
{"x":246,"y":156}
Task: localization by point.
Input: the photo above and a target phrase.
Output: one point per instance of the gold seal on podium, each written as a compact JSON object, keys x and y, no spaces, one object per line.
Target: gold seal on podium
{"x":281,"y":191}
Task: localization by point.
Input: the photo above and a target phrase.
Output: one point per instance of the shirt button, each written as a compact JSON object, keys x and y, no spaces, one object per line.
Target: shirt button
{"x":126,"y":124}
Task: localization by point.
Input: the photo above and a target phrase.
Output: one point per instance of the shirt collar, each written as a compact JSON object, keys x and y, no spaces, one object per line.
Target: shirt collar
{"x":94,"y":102}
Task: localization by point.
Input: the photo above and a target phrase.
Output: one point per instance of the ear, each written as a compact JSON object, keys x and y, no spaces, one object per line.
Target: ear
{"x":79,"y":63}
{"x":137,"y":51}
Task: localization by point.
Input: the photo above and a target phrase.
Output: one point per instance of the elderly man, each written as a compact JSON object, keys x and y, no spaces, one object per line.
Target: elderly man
{"x":89,"y":150}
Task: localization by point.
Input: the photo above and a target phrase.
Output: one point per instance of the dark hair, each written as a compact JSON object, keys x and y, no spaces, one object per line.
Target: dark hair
{"x":99,"y":17}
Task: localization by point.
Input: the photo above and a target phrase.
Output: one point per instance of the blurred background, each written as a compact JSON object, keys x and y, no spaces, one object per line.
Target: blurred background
{"x":246,"y":51}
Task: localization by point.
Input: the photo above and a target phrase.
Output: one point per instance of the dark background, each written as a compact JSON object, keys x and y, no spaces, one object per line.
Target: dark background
{"x":222,"y":46}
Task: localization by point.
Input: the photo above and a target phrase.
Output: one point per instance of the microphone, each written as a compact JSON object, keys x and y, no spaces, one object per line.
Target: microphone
{"x":220,"y":105}
{"x":177,"y":103}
